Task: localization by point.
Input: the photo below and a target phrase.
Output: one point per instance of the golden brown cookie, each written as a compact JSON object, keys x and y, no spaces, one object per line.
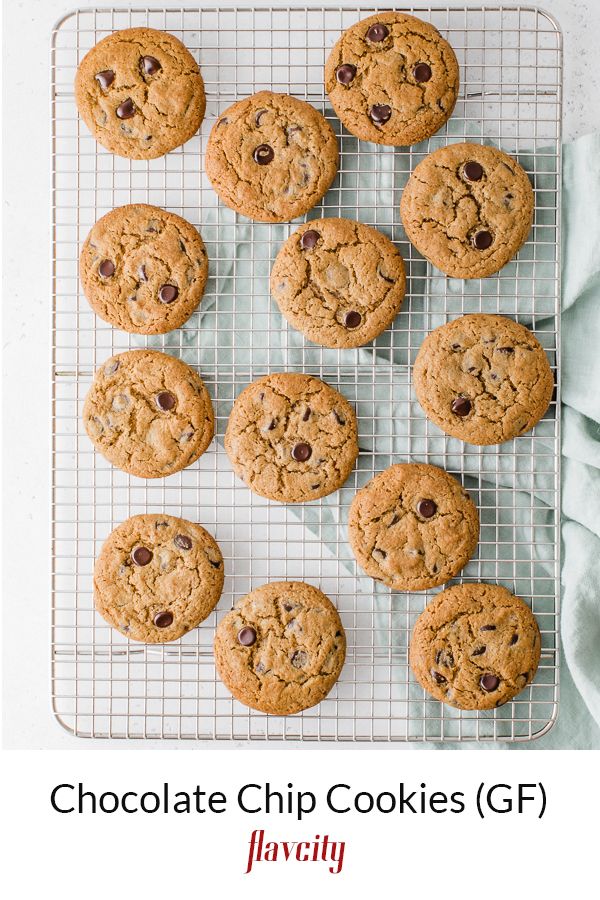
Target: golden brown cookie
{"x":483,"y":379}
{"x":468,"y":209}
{"x":413,"y":527}
{"x":143,"y":269}
{"x":271,"y":157}
{"x":339,"y":282}
{"x":392,"y":79}
{"x":148,"y":413}
{"x":475,"y":646}
{"x":292,"y":438}
{"x":281,"y":648}
{"x":157,"y":577}
{"x":140,"y":93}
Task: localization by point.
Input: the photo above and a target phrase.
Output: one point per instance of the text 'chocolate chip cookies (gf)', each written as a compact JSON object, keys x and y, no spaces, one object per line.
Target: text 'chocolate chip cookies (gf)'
{"x":339,"y":282}
{"x":292,"y":438}
{"x":468,"y":209}
{"x":271,"y":157}
{"x":413,"y":527}
{"x":140,"y":93}
{"x":392,"y":79}
{"x":143,"y":269}
{"x":281,"y":648}
{"x":483,"y":379}
{"x":475,"y":646}
{"x":157,"y":577}
{"x":148,"y":413}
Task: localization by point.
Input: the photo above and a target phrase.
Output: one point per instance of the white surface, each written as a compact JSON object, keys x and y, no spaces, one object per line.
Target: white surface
{"x":26,"y":340}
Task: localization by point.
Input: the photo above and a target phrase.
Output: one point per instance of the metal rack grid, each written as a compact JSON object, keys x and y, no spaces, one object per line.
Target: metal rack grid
{"x":104,"y":686}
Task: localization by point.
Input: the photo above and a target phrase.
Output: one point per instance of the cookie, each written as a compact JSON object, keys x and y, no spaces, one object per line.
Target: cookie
{"x":338,"y":282}
{"x":483,"y":379}
{"x":148,"y":413}
{"x":468,"y":209}
{"x":413,"y":527}
{"x":143,"y":269}
{"x":281,"y":648}
{"x":475,"y":646}
{"x":140,"y":93}
{"x":157,"y":577}
{"x":271,"y":157}
{"x":392,"y":79}
{"x":292,"y":438}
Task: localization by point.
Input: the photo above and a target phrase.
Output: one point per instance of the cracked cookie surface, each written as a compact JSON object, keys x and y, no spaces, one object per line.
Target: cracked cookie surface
{"x":483,"y":379}
{"x":392,"y":79}
{"x":475,"y":646}
{"x":281,"y":648}
{"x":143,"y":269}
{"x":140,"y":93}
{"x":157,"y":577}
{"x":292,"y":438}
{"x":271,"y":157}
{"x":148,"y":413}
{"x":339,"y":282}
{"x":413,"y":527}
{"x":468,"y":209}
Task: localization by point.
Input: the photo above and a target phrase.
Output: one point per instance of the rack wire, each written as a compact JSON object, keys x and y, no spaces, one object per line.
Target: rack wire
{"x":104,"y":686}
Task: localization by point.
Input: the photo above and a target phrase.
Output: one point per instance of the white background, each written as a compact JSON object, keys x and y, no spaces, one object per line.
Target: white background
{"x":68,"y":856}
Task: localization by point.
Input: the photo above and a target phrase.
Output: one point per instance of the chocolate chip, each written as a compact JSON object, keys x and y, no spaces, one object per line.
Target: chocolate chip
{"x":380,"y":113}
{"x":461,"y":406}
{"x":165,"y":401}
{"x":106,"y":268}
{"x":168,"y":293}
{"x":473,"y":171}
{"x":141,"y":556}
{"x":182,"y":541}
{"x":149,"y":65}
{"x":352,"y":319}
{"x":437,"y":677}
{"x":481,"y":240}
{"x":299,"y":659}
{"x":301,"y":452}
{"x":346,"y":73}
{"x":287,"y":607}
{"x":339,"y":419}
{"x":306,"y":415}
{"x":507,"y":199}
{"x":421,"y":72}
{"x":105,"y":78}
{"x":259,"y":115}
{"x":514,"y":639}
{"x":271,"y":425}
{"x":426,"y":508}
{"x":444,"y":658}
{"x":506,"y":350}
{"x":488,"y":628}
{"x":126,"y":109}
{"x":111,"y":367}
{"x":264,"y":154}
{"x":478,"y":651}
{"x":246,"y":636}
{"x":309,"y":240}
{"x":377,"y":33}
{"x":395,"y":520}
{"x":163,"y":619}
{"x":142,"y":273}
{"x":455,"y":347}
{"x":489,"y":682}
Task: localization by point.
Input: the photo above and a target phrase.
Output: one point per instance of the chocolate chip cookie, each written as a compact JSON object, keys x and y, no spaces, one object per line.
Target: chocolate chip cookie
{"x":271,"y":157}
{"x":292,"y":438}
{"x":148,"y":413}
{"x":140,"y":93}
{"x":157,"y":577}
{"x":281,"y":648}
{"x":143,"y":269}
{"x":338,"y":282}
{"x":475,"y":646}
{"x":413,"y":527}
{"x":483,"y":379}
{"x":392,"y":79}
{"x":468,"y":209}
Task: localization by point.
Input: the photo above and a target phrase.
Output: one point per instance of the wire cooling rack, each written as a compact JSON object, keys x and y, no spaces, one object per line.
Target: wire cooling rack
{"x":105,"y":686}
